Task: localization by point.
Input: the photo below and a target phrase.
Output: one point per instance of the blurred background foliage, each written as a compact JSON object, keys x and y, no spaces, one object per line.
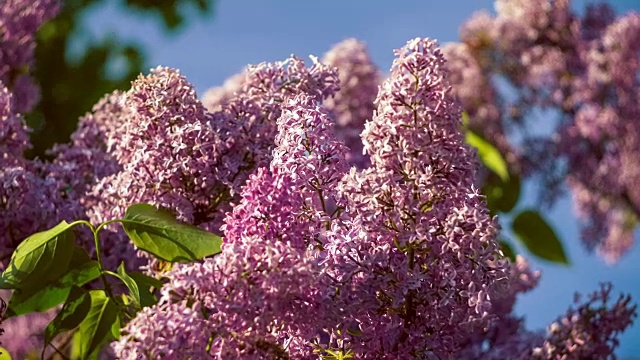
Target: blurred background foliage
{"x":67,"y":61}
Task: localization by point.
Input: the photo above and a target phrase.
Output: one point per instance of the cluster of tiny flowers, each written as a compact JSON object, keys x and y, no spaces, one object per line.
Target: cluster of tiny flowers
{"x":165,"y":148}
{"x":590,"y":330}
{"x":19,"y":21}
{"x":393,"y":258}
{"x":572,"y":73}
{"x":262,"y":294}
{"x":353,"y":105}
{"x":374,"y":270}
{"x":414,"y":230}
{"x":23,"y":335}
{"x":24,"y":183}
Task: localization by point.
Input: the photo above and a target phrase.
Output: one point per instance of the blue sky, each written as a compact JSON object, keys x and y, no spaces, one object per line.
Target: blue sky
{"x":241,"y":32}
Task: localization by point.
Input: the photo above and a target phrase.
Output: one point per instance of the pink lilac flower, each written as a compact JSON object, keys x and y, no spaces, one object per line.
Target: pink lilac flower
{"x":23,"y":335}
{"x":590,"y":330}
{"x":353,"y":105}
{"x":19,"y":21}
{"x":414,"y":231}
{"x":557,"y":100}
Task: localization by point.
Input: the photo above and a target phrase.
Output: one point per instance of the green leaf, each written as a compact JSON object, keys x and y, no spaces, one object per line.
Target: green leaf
{"x":159,"y":233}
{"x":75,"y":309}
{"x":145,"y":284}
{"x":43,"y":300}
{"x":507,"y":250}
{"x":40,"y":259}
{"x":81,"y":270}
{"x":134,"y":291}
{"x":4,"y":354}
{"x":489,"y":154}
{"x":501,"y":196}
{"x":101,"y":324}
{"x":538,"y":237}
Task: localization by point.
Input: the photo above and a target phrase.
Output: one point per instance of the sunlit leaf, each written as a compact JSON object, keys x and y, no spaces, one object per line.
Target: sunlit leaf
{"x":39,"y":259}
{"x":488,"y":154}
{"x":101,"y":324}
{"x":159,"y":233}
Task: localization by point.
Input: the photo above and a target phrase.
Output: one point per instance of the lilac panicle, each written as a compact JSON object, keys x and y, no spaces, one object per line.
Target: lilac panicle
{"x":568,"y":74}
{"x":86,"y":159}
{"x":14,"y":134}
{"x":354,"y":103}
{"x":165,"y":331}
{"x":260,"y":295}
{"x":414,"y":231}
{"x":193,"y":161}
{"x":24,"y":183}
{"x":175,"y":154}
{"x":19,"y":21}
{"x":590,"y":329}
{"x":399,"y":260}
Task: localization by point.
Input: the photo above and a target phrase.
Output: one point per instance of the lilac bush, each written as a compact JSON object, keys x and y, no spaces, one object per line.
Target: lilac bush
{"x":352,"y":221}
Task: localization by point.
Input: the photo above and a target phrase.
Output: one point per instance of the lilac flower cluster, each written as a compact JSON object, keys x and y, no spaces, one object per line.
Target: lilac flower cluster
{"x":24,"y":183}
{"x":353,"y":105}
{"x":398,"y":260}
{"x":537,"y":65}
{"x":23,"y":335}
{"x":395,"y":257}
{"x":19,"y":21}
{"x":589,"y":330}
{"x":314,"y":254}
{"x":165,"y":148}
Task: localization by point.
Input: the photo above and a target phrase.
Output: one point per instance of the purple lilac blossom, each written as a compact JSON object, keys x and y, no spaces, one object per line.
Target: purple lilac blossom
{"x":24,"y":183}
{"x":590,"y":329}
{"x":177,"y":155}
{"x":262,"y":294}
{"x":414,"y":230}
{"x":19,"y":21}
{"x":354,"y":104}
{"x":24,"y":335}
{"x":568,"y":74}
{"x":399,"y":260}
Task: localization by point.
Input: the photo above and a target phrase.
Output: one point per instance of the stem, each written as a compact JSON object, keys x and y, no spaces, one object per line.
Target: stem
{"x":107,"y":287}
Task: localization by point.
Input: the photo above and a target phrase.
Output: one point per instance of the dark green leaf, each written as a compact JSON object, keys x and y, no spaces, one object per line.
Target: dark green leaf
{"x":81,"y":270}
{"x":538,"y":237}
{"x":501,"y":196}
{"x":507,"y":250}
{"x":134,"y":291}
{"x":101,"y":324}
{"x":75,"y":309}
{"x":488,"y":154}
{"x":159,"y":233}
{"x":43,"y":300}
{"x":40,"y":259}
{"x":145,"y":285}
